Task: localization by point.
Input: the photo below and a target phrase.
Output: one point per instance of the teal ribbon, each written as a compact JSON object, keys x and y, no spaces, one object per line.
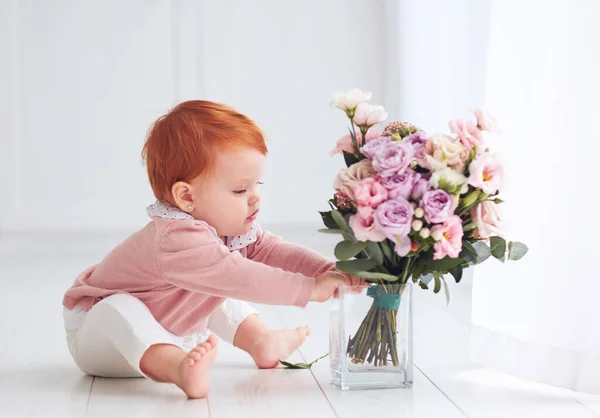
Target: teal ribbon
{"x":389,"y":301}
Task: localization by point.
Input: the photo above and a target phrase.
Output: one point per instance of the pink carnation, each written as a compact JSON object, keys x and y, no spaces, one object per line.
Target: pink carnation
{"x":450,"y":243}
{"x":369,"y":192}
{"x":364,"y":227}
{"x":467,"y":132}
{"x":345,"y":142}
{"x":485,"y":121}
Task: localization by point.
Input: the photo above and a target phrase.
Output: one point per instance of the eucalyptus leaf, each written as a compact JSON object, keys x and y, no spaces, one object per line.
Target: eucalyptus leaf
{"x":498,"y":248}
{"x":446,"y":291}
{"x":375,"y":252}
{"x":468,"y":253}
{"x":301,"y":365}
{"x":353,"y":266}
{"x":426,"y":278}
{"x":438,"y":284}
{"x":332,"y":231}
{"x":483,"y":251}
{"x":387,"y":250}
{"x":375,"y":276}
{"x":345,"y":250}
{"x":339,"y":220}
{"x":516,"y":250}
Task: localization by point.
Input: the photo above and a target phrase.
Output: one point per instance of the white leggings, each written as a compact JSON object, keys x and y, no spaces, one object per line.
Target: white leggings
{"x":114,"y":335}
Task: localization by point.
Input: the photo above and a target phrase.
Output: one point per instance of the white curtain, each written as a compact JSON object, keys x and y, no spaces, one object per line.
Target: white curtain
{"x":536,"y":319}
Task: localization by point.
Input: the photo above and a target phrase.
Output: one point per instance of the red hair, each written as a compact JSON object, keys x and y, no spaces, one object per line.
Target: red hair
{"x":183,"y":144}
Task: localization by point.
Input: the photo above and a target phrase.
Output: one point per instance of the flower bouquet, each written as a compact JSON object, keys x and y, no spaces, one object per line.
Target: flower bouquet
{"x":411,"y":207}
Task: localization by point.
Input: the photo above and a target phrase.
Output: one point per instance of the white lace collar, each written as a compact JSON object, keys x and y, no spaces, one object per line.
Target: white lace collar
{"x":165,"y":210}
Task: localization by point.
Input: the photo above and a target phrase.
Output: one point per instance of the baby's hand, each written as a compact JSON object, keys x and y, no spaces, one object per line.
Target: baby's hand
{"x":326,"y":285}
{"x":358,"y":284}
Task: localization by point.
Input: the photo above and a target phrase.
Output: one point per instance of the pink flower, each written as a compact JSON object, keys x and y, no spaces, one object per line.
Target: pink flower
{"x":364,"y":227}
{"x":443,"y":151}
{"x":345,"y":142}
{"x":488,"y":221}
{"x":370,"y":149}
{"x":368,"y":115}
{"x":348,"y":176}
{"x":485,"y":121}
{"x":393,"y":157}
{"x":422,"y":186}
{"x":450,"y":243}
{"x":437,"y":205}
{"x":487,"y":173}
{"x":394,"y":217}
{"x":369,"y":192}
{"x":467,"y":132}
{"x":400,"y":184}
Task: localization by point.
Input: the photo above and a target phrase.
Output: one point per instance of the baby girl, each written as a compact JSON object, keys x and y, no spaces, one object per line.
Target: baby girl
{"x":189,"y":271}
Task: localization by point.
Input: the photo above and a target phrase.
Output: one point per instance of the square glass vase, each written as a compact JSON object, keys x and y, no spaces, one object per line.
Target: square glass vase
{"x":370,"y":337}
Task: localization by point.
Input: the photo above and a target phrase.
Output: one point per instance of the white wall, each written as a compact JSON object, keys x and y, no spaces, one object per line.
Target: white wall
{"x":84,"y":81}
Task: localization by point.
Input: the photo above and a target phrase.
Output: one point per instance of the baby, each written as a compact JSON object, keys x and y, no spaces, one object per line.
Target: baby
{"x":149,"y":308}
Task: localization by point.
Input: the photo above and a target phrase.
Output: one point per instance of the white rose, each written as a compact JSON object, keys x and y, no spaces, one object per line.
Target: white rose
{"x":453,"y":178}
{"x":444,"y":151}
{"x":349,"y":100}
{"x":368,"y":115}
{"x":356,"y":172}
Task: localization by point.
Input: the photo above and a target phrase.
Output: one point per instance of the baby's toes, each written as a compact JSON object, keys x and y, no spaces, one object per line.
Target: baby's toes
{"x":200,"y":350}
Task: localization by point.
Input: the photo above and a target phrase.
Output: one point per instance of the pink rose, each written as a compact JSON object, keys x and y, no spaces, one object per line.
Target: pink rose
{"x":487,"y":173}
{"x":488,"y":221}
{"x":422,"y":186}
{"x":450,"y":243}
{"x":368,"y":115}
{"x":369,"y":192}
{"x":485,"y":121}
{"x":437,"y":205}
{"x":393,"y":157}
{"x":364,"y":227}
{"x":467,"y":132}
{"x":356,"y":172}
{"x":370,"y":149}
{"x":394,"y":218}
{"x":400,"y":185}
{"x":345,"y":142}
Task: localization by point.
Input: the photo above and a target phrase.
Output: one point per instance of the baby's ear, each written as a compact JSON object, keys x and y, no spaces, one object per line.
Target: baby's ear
{"x":182,"y":196}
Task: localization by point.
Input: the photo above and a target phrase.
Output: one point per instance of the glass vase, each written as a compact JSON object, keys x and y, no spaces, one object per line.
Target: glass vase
{"x":370,"y":338}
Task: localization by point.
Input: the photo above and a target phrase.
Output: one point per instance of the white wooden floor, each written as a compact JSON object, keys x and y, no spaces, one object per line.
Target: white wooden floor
{"x":38,"y":378}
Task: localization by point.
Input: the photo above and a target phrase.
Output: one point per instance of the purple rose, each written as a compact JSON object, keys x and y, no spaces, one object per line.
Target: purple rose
{"x":370,"y":148}
{"x":418,"y":141}
{"x":400,"y":185}
{"x":421,"y":186}
{"x":394,"y":217}
{"x":393,"y":157}
{"x":438,"y":205}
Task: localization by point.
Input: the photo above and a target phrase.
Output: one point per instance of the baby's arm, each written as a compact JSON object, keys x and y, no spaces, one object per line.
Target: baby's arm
{"x":273,"y":251}
{"x":190,"y":258}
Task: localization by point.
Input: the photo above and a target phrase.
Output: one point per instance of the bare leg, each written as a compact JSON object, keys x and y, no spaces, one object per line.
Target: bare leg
{"x":267,"y":346}
{"x":189,"y":371}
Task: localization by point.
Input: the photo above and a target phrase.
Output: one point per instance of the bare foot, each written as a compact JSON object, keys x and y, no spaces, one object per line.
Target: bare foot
{"x":277,"y":345}
{"x":194,"y":378}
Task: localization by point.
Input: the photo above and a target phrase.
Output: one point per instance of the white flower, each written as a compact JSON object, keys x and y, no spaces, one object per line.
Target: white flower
{"x":368,"y":115}
{"x":444,"y":151}
{"x":448,"y":179}
{"x":425,"y":233}
{"x":349,"y":100}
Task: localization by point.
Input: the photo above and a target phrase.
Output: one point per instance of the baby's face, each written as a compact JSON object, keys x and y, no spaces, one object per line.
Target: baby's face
{"x":229,"y":200}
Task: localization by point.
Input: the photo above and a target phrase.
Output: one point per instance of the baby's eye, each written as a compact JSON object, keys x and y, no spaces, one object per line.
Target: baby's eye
{"x":239,"y":191}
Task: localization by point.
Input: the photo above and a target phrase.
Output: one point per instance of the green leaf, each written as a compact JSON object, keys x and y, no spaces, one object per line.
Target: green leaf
{"x":375,"y":276}
{"x":328,"y":220}
{"x":516,"y":250}
{"x":353,"y":266}
{"x":468,"y":253}
{"x":350,"y":159}
{"x":301,"y":365}
{"x":332,"y":231}
{"x":438,"y":284}
{"x":483,"y":252}
{"x":387,"y":250}
{"x":426,"y":278}
{"x":423,"y":286}
{"x":345,"y":250}
{"x":446,"y":291}
{"x":498,"y":247}
{"x":498,"y":201}
{"x":457,"y":272}
{"x":339,"y":220}
{"x":443,"y":265}
{"x":375,"y":252}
